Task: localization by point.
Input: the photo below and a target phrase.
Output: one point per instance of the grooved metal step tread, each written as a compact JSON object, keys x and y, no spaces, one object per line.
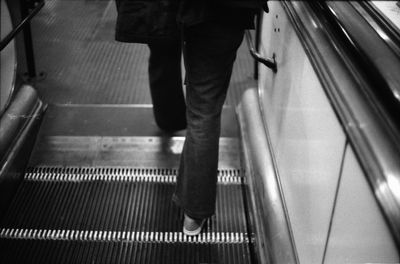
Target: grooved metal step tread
{"x":123,"y":214}
{"x":61,"y":251}
{"x":75,"y":199}
{"x":113,"y":206}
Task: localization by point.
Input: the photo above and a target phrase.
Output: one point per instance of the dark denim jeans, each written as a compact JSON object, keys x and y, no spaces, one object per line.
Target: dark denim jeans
{"x":209,"y":52}
{"x":165,"y":79}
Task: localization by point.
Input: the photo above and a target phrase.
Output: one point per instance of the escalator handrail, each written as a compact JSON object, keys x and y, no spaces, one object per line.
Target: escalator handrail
{"x":10,"y":36}
{"x":381,"y":24}
{"x":379,"y":62}
{"x":373,"y":137}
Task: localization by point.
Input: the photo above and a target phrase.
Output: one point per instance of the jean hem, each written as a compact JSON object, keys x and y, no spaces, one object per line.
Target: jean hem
{"x":199,"y":216}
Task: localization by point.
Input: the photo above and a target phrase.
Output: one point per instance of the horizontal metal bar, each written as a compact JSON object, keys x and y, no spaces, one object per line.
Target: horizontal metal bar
{"x":118,"y":174}
{"x":140,"y":236}
{"x":4,"y":42}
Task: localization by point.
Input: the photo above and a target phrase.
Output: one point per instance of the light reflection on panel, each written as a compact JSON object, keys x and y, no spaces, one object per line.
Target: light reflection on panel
{"x":308,"y":141}
{"x":359,"y":233}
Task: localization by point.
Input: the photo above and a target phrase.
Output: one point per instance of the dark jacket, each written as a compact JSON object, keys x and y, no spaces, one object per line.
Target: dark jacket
{"x":146,"y":21}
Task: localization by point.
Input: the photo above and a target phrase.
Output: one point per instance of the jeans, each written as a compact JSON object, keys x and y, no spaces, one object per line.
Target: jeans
{"x":165,"y":79}
{"x":209,"y":53}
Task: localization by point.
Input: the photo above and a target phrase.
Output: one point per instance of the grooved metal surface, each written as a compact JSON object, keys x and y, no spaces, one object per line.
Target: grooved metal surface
{"x":80,"y":174}
{"x":113,"y":173}
{"x":101,"y":212}
{"x":61,"y":251}
{"x":74,"y":45}
{"x":128,"y":236}
{"x":143,"y":205}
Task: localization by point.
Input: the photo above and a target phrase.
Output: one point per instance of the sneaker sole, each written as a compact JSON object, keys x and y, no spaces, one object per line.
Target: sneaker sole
{"x":193,"y":232}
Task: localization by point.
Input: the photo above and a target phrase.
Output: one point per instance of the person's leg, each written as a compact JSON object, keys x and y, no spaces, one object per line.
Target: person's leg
{"x":166,"y":85}
{"x":210,"y":51}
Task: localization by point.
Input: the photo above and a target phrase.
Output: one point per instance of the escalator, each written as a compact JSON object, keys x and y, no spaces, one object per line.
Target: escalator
{"x":105,"y":197}
{"x":96,"y":194}
{"x":307,"y":160}
{"x":91,"y":186}
{"x":79,"y":205}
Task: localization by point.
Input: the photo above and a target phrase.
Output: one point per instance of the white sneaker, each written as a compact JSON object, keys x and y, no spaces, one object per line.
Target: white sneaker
{"x":192,"y":227}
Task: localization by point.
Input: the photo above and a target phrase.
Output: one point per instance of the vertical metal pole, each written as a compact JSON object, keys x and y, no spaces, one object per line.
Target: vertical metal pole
{"x":257,"y":41}
{"x":30,"y":58}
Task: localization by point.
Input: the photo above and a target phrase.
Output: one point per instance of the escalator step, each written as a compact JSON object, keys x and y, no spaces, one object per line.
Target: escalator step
{"x":116,"y":173}
{"x":115,"y":236}
{"x":66,"y":251}
{"x":117,"y":215}
{"x":110,"y":202}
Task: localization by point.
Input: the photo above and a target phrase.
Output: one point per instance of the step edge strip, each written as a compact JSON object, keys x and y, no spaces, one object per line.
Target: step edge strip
{"x":121,"y":170}
{"x":58,"y":177}
{"x":123,"y":236}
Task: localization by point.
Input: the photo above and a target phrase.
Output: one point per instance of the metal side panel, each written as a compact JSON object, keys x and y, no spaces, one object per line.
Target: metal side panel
{"x":16,"y":117}
{"x":273,"y":236}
